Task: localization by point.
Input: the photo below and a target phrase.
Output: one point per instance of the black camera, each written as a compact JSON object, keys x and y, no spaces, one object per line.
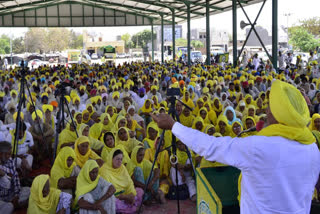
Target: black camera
{"x":173,"y":92}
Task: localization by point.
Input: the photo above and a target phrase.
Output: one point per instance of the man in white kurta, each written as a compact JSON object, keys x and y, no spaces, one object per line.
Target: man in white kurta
{"x":278,"y":174}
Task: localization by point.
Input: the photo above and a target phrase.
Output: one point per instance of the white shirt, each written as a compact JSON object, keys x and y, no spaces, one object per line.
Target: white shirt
{"x":278,"y":175}
{"x":23,"y":148}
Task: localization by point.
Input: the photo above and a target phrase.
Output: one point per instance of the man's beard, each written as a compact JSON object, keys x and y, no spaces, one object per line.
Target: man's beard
{"x":247,"y":90}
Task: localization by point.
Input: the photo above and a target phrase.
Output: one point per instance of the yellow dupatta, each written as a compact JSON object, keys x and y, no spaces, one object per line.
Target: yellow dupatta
{"x":197,"y":109}
{"x":188,"y":102}
{"x":82,"y":159}
{"x":83,"y":113}
{"x":223,"y":119}
{"x":119,"y":177}
{"x":145,"y":164}
{"x":143,"y":109}
{"x":39,"y":204}
{"x":206,"y":119}
{"x":60,"y":168}
{"x":153,"y":125}
{"x":314,"y":117}
{"x":196,"y":120}
{"x":162,"y":160}
{"x":129,"y":144}
{"x":218,"y":110}
{"x":84,"y":182}
{"x":186,"y":120}
{"x":66,"y":136}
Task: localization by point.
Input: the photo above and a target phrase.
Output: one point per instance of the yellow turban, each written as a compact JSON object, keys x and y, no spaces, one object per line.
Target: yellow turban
{"x":290,"y":109}
{"x":39,"y":113}
{"x":47,"y":107}
{"x":2,"y":94}
{"x":15,"y":115}
{"x":288,"y":106}
{"x":75,"y":98}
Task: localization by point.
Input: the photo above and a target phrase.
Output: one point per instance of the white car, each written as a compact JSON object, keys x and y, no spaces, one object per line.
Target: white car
{"x":94,"y":56}
{"x":37,"y":62}
{"x":196,"y":57}
{"x":121,"y":55}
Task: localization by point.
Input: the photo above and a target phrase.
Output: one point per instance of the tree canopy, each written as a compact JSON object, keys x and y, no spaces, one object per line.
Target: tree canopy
{"x":303,"y":37}
{"x":142,"y":38}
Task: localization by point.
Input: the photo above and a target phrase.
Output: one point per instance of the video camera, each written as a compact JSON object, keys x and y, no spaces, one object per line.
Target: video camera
{"x":61,"y":88}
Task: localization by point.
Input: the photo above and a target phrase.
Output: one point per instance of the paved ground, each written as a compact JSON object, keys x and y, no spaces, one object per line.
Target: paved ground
{"x":186,"y":207}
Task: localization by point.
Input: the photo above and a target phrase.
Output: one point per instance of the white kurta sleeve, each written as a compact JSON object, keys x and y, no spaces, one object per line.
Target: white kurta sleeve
{"x":237,"y":152}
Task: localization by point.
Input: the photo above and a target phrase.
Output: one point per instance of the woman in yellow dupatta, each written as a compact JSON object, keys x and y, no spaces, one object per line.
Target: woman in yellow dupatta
{"x":249,"y":122}
{"x":186,"y":117}
{"x":187,"y":100}
{"x":126,"y":104}
{"x":43,"y":199}
{"x":93,"y":192}
{"x":85,"y":116}
{"x":203,"y":113}
{"x":128,"y":198}
{"x":210,"y":129}
{"x":315,"y":122}
{"x":109,"y":144}
{"x":236,"y":129}
{"x":251,"y":112}
{"x":146,"y":108}
{"x":163,"y":163}
{"x":199,"y":105}
{"x":62,"y":172}
{"x":95,"y":145}
{"x":156,"y":104}
{"x":67,"y":137}
{"x":121,"y":122}
{"x":78,"y":119}
{"x":152,"y":134}
{"x":248,"y":100}
{"x":139,"y":169}
{"x":217,"y":106}
{"x":90,"y":109}
{"x":222,"y":126}
{"x":105,"y":125}
{"x":83,"y":152}
{"x":211,"y":113}
{"x":198,"y":124}
{"x":112,"y":113}
{"x":134,"y":126}
{"x":123,"y":139}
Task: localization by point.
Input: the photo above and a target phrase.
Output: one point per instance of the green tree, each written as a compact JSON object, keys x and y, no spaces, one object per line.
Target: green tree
{"x":57,"y":39}
{"x":126,"y":38}
{"x":181,"y":42}
{"x":75,"y":40}
{"x":312,"y":25}
{"x":4,"y":45}
{"x":302,"y":40}
{"x":34,"y":40}
{"x":141,"y":39}
{"x":197,"y":44}
{"x":18,"y":45}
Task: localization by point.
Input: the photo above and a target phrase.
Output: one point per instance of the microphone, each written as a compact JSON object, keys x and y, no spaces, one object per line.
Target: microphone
{"x":252,"y":129}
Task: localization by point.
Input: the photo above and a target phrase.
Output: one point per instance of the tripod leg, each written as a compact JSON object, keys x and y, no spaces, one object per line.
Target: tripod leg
{"x":154,"y":161}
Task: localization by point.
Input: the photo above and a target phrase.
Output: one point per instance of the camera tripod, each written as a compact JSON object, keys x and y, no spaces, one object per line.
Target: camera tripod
{"x":173,"y":157}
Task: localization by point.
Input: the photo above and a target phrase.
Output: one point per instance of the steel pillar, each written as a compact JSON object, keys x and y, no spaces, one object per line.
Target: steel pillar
{"x":152,"y":41}
{"x":234,"y":33}
{"x":208,"y":31}
{"x":275,"y":34}
{"x":189,"y":34}
{"x":173,"y":36}
{"x":162,"y":45}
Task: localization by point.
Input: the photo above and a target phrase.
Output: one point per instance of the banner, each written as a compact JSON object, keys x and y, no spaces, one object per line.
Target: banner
{"x":222,"y":58}
{"x":109,"y":49}
{"x":207,"y":200}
